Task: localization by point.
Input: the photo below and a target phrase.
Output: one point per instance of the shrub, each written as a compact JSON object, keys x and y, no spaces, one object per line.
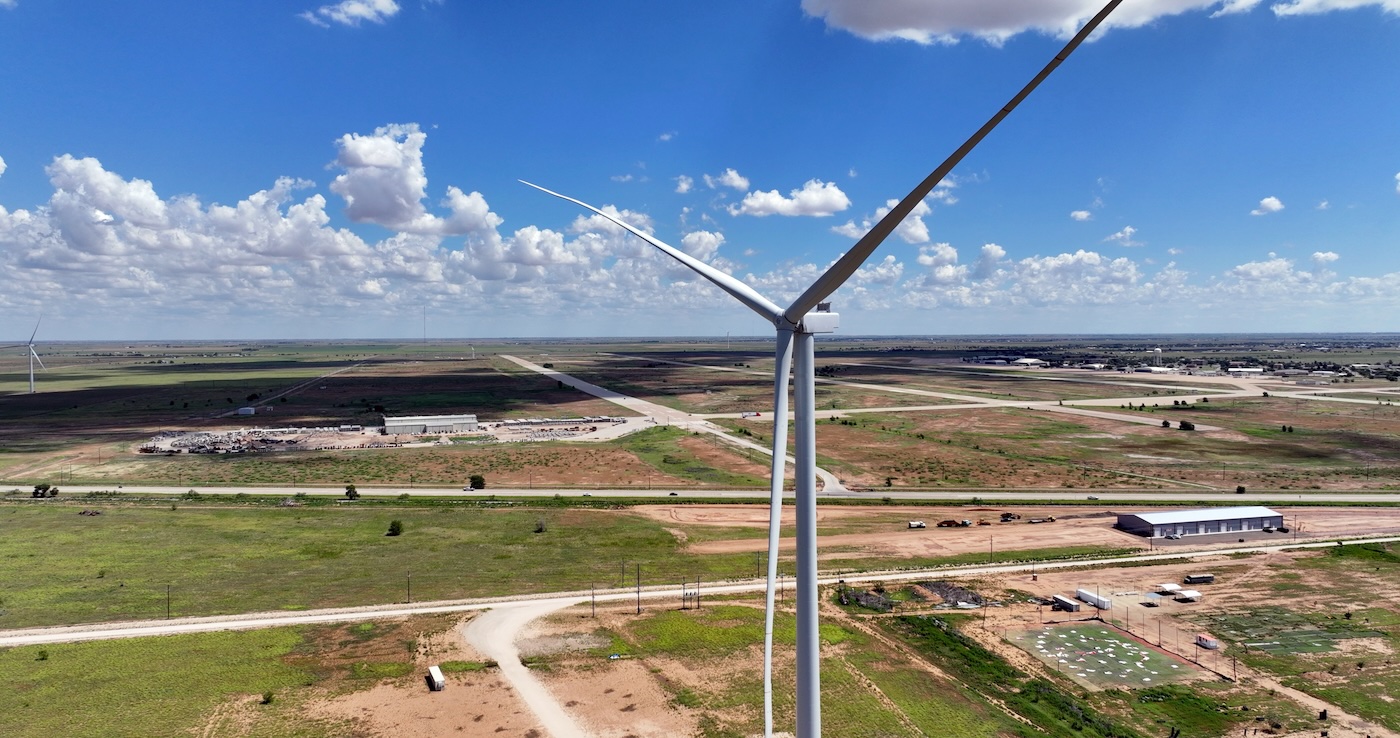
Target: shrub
{"x":351,"y":493}
{"x":1187,"y":425}
{"x":478,"y":481}
{"x":395,"y":528}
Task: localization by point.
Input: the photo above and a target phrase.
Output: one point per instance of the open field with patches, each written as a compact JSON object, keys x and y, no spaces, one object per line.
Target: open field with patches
{"x":693,"y":672}
{"x":920,"y":670}
{"x":1330,"y":446}
{"x":99,"y":402}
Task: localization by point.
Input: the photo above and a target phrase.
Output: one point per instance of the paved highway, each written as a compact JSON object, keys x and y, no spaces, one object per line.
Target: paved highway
{"x":1103,"y":496}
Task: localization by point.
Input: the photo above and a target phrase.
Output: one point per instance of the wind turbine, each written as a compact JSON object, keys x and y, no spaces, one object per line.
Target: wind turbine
{"x":33,"y":355}
{"x":796,"y":329}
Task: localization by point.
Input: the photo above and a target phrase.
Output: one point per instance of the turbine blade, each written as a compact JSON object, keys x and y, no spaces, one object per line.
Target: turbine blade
{"x":36,"y":330}
{"x":782,"y":356}
{"x":740,"y":291}
{"x":852,"y":260}
{"x":36,"y":356}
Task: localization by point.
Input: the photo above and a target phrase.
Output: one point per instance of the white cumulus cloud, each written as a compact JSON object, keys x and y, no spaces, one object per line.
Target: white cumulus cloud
{"x":995,"y":21}
{"x":1397,"y":183}
{"x":1081,"y":215}
{"x":684,"y":184}
{"x":912,"y":229}
{"x":2,"y":165}
{"x":729,"y":178}
{"x":352,"y":12}
{"x":1313,"y":7}
{"x":385,"y":183}
{"x":1124,"y":237}
{"x":1268,"y":205}
{"x":816,"y":198}
{"x":1325,"y":257}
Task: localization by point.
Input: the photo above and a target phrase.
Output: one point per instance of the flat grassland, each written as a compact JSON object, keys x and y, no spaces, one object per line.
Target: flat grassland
{"x":97,"y":403}
{"x":61,"y":567}
{"x":685,"y":671}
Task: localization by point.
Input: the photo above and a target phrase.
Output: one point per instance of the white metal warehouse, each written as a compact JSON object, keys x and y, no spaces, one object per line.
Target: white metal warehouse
{"x":410,"y":424}
{"x":1200,"y":522}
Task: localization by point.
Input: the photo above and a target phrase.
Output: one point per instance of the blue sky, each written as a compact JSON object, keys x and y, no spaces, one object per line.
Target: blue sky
{"x":332,"y":170}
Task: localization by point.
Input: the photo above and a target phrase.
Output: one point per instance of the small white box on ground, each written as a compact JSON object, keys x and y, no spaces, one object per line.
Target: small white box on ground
{"x":436,"y":682}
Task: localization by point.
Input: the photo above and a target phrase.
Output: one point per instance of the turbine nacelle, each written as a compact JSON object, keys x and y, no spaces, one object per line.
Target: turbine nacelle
{"x":821,"y":320}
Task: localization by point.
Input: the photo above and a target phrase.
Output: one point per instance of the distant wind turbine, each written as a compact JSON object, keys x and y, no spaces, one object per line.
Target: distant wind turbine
{"x":796,"y":327}
{"x":33,"y":355}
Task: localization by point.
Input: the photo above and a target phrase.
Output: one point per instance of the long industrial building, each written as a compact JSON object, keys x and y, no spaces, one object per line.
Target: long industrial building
{"x":1199,"y":522}
{"x":413,"y":424}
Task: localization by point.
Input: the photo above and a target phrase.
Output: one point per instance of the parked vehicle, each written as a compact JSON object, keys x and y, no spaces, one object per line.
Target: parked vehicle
{"x":1198,"y":579}
{"x":917,"y":524}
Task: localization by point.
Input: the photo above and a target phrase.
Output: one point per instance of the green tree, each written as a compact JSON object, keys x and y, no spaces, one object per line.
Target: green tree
{"x":395,"y":528}
{"x":478,"y":481}
{"x":351,"y":493}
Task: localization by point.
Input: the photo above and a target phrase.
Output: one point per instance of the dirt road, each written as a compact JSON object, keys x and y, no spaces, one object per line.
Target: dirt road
{"x":494,"y":634}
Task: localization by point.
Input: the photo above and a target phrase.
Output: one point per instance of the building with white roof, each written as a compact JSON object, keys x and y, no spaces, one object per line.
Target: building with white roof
{"x":419,"y":424}
{"x":1199,"y":522}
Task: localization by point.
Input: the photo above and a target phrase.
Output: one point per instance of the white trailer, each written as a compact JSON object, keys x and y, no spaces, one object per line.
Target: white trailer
{"x":1064,"y":603}
{"x":436,"y":682}
{"x":1093,"y":598}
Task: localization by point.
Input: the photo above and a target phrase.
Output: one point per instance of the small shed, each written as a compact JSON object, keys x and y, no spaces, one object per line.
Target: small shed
{"x":1188,"y":595}
{"x":436,"y":682}
{"x":247,"y":411}
{"x":1168,"y":588}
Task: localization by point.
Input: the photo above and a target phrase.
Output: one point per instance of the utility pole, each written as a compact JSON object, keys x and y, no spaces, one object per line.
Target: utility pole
{"x":593,"y":595}
{"x":167,"y":602}
{"x":639,"y":589}
{"x":410,"y":587}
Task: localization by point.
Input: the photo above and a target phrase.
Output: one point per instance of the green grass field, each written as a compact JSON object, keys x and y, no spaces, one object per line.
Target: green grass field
{"x":143,"y":688}
{"x":60,"y":567}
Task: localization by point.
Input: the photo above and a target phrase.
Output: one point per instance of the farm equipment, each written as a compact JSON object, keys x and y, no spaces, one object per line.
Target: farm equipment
{"x":1050,"y":519}
{"x":1007,"y":517}
{"x":947,"y":523}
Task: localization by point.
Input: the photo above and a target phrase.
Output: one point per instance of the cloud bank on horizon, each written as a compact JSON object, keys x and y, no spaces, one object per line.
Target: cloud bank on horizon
{"x":374,"y":238}
{"x":110,"y":243}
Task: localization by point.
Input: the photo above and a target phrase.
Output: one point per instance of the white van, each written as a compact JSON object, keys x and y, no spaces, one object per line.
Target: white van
{"x":436,"y":682}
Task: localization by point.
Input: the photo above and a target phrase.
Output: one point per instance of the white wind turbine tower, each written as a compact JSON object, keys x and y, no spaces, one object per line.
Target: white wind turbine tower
{"x":33,"y":355}
{"x":796,"y":327}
